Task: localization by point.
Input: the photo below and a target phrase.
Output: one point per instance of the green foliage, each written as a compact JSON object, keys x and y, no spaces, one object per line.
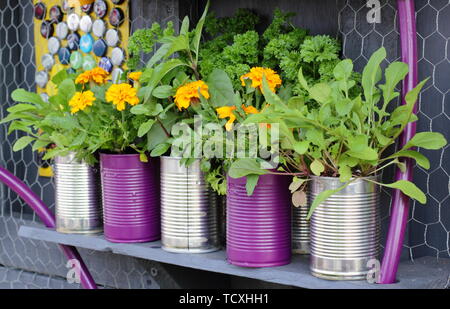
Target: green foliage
{"x":347,"y":136}
{"x":143,"y":41}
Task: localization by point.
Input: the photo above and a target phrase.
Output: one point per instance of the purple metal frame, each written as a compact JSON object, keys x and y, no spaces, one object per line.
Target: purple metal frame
{"x":48,"y":218}
{"x":400,"y":203}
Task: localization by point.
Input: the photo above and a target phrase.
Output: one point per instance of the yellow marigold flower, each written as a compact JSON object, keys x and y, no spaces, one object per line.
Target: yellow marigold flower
{"x":81,"y":100}
{"x":97,"y":75}
{"x":120,"y":94}
{"x":135,"y":76}
{"x":189,"y":93}
{"x":227,"y":112}
{"x":256,"y":76}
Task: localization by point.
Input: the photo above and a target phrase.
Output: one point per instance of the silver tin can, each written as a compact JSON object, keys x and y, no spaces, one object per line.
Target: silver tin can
{"x":300,"y":230}
{"x":345,"y":229}
{"x":77,"y":197}
{"x":188,"y":209}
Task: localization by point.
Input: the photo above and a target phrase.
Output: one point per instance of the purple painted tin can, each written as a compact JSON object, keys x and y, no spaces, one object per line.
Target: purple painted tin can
{"x":258,"y":226}
{"x":131,"y":204}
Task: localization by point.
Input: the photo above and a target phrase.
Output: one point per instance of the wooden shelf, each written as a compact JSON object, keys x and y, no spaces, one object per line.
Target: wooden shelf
{"x":423,"y":273}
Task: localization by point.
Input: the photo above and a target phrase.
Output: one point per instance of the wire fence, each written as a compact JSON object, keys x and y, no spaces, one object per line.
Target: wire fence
{"x":429,"y":225}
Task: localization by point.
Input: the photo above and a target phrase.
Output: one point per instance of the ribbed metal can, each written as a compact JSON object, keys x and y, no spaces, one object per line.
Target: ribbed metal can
{"x":345,"y":229}
{"x":300,"y":230}
{"x":259,"y":226}
{"x":130,"y":190}
{"x":189,"y":217}
{"x":77,"y":196}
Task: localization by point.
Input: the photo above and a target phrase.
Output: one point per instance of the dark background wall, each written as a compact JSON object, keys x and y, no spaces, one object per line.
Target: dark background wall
{"x":429,"y":225}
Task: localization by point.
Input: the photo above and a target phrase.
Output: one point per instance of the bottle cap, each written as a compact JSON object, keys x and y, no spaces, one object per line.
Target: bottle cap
{"x":112,"y":37}
{"x":47,"y":61}
{"x":86,"y":43}
{"x":47,"y":29}
{"x":53,"y":45}
{"x":73,"y":21}
{"x":100,"y":8}
{"x":106,"y":64}
{"x":100,"y":48}
{"x":99,"y":28}
{"x":40,"y":10}
{"x":65,"y":6}
{"x":89,"y":62}
{"x":64,"y":55}
{"x":76,"y":60}
{"x":87,"y":8}
{"x":62,"y":30}
{"x":116,"y":17}
{"x":41,"y":79}
{"x":117,"y":1}
{"x":73,"y":41}
{"x":117,"y":56}
{"x":56,"y":14}
{"x":86,"y":24}
{"x":116,"y":76}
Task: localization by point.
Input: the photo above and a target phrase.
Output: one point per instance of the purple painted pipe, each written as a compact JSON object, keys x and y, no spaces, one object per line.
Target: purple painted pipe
{"x":400,"y":203}
{"x":259,"y":226}
{"x":48,"y":218}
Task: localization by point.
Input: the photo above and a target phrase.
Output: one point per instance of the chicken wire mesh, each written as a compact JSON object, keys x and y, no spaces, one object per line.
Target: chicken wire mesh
{"x":429,"y":225}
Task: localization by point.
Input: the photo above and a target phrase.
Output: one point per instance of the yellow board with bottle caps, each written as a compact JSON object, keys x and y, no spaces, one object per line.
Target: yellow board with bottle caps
{"x":41,"y":43}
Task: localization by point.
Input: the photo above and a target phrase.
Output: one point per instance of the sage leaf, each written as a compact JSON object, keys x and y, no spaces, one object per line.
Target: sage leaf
{"x":409,"y":189}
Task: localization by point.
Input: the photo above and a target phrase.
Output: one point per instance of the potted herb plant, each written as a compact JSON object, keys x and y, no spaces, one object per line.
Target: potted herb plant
{"x":77,"y":183}
{"x":343,"y":138}
{"x":170,"y":87}
{"x":130,"y":182}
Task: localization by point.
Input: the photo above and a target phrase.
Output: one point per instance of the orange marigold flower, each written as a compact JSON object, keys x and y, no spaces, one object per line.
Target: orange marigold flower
{"x":120,"y":94}
{"x":250,"y":109}
{"x":81,"y":100}
{"x":135,"y":76}
{"x":189,"y":93}
{"x":256,"y":76}
{"x":97,"y":75}
{"x":227,"y":112}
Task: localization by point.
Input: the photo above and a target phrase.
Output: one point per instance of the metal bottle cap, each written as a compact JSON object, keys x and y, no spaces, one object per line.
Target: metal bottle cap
{"x":89,"y":62}
{"x":117,"y":56}
{"x":40,"y":10}
{"x":99,"y":28}
{"x":86,"y":43}
{"x":76,"y":60}
{"x":73,"y":21}
{"x":47,"y":61}
{"x":65,"y":6}
{"x":100,"y":8}
{"x":112,"y":37}
{"x":41,"y":79}
{"x":86,"y":24}
{"x":117,"y":1}
{"x":64,"y":55}
{"x":62,"y":30}
{"x":56,"y":14}
{"x":100,"y":48}
{"x":116,"y":76}
{"x":44,"y":97}
{"x":73,"y":41}
{"x":116,"y":17}
{"x":106,"y":64}
{"x":87,"y":8}
{"x":53,"y":45}
{"x":47,"y":29}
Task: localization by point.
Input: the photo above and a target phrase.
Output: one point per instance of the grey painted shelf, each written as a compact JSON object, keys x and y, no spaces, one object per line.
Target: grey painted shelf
{"x":423,"y":273}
